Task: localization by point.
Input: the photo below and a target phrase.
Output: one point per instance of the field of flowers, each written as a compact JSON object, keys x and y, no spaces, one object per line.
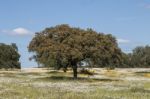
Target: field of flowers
{"x":50,"y":84}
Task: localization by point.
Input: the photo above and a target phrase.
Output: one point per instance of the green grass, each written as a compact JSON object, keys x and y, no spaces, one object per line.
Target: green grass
{"x":59,"y":85}
{"x":31,"y":92}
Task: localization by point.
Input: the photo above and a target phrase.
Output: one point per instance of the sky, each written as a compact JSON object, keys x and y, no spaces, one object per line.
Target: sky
{"x":127,"y":20}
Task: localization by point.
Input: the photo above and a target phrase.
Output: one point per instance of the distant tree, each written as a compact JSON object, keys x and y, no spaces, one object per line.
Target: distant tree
{"x":9,"y":56}
{"x":141,"y":56}
{"x":126,"y":60}
{"x":63,"y":46}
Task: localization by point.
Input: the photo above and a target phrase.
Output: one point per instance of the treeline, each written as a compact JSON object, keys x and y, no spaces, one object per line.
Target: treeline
{"x":140,"y":57}
{"x":9,"y":56}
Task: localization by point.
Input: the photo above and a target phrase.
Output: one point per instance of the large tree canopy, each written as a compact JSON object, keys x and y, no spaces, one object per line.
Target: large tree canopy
{"x":9,"y":56}
{"x":64,"y":46}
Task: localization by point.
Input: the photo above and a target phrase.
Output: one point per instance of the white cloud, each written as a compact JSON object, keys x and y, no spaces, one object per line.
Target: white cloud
{"x":18,"y":31}
{"x":21,"y":31}
{"x":120,"y":41}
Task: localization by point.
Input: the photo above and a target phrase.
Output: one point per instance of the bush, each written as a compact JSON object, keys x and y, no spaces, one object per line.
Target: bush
{"x":9,"y":56}
{"x":87,"y":71}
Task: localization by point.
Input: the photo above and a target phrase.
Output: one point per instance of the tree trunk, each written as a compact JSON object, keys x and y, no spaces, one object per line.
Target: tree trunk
{"x":75,"y":72}
{"x":74,"y":66}
{"x":65,"y":70}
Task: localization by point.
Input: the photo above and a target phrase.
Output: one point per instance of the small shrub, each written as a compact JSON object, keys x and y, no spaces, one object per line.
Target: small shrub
{"x":87,"y":71}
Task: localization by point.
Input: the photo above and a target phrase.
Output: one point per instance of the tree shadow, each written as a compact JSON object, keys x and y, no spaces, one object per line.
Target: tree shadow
{"x":30,"y":73}
{"x":52,"y":72}
{"x":143,"y":72}
{"x":80,"y":79}
{"x":140,"y":90}
{"x":58,"y":73}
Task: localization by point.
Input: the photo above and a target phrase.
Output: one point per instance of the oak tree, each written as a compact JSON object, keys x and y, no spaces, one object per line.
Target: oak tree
{"x":63,"y":46}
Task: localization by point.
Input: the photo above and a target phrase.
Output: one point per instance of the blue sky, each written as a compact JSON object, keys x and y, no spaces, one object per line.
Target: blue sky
{"x":128,"y":20}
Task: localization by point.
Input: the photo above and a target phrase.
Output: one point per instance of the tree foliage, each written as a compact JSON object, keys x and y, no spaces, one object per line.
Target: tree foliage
{"x":63,"y":46}
{"x":9,"y":56}
{"x":140,"y":57}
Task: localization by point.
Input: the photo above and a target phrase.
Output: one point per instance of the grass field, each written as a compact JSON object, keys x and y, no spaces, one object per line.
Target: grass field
{"x":50,"y":84}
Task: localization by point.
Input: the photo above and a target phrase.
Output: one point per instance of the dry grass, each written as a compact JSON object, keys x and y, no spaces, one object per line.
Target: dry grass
{"x":49,"y":84}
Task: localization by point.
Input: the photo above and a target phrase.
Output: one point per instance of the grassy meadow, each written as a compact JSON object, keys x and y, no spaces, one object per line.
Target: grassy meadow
{"x":50,"y":84}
